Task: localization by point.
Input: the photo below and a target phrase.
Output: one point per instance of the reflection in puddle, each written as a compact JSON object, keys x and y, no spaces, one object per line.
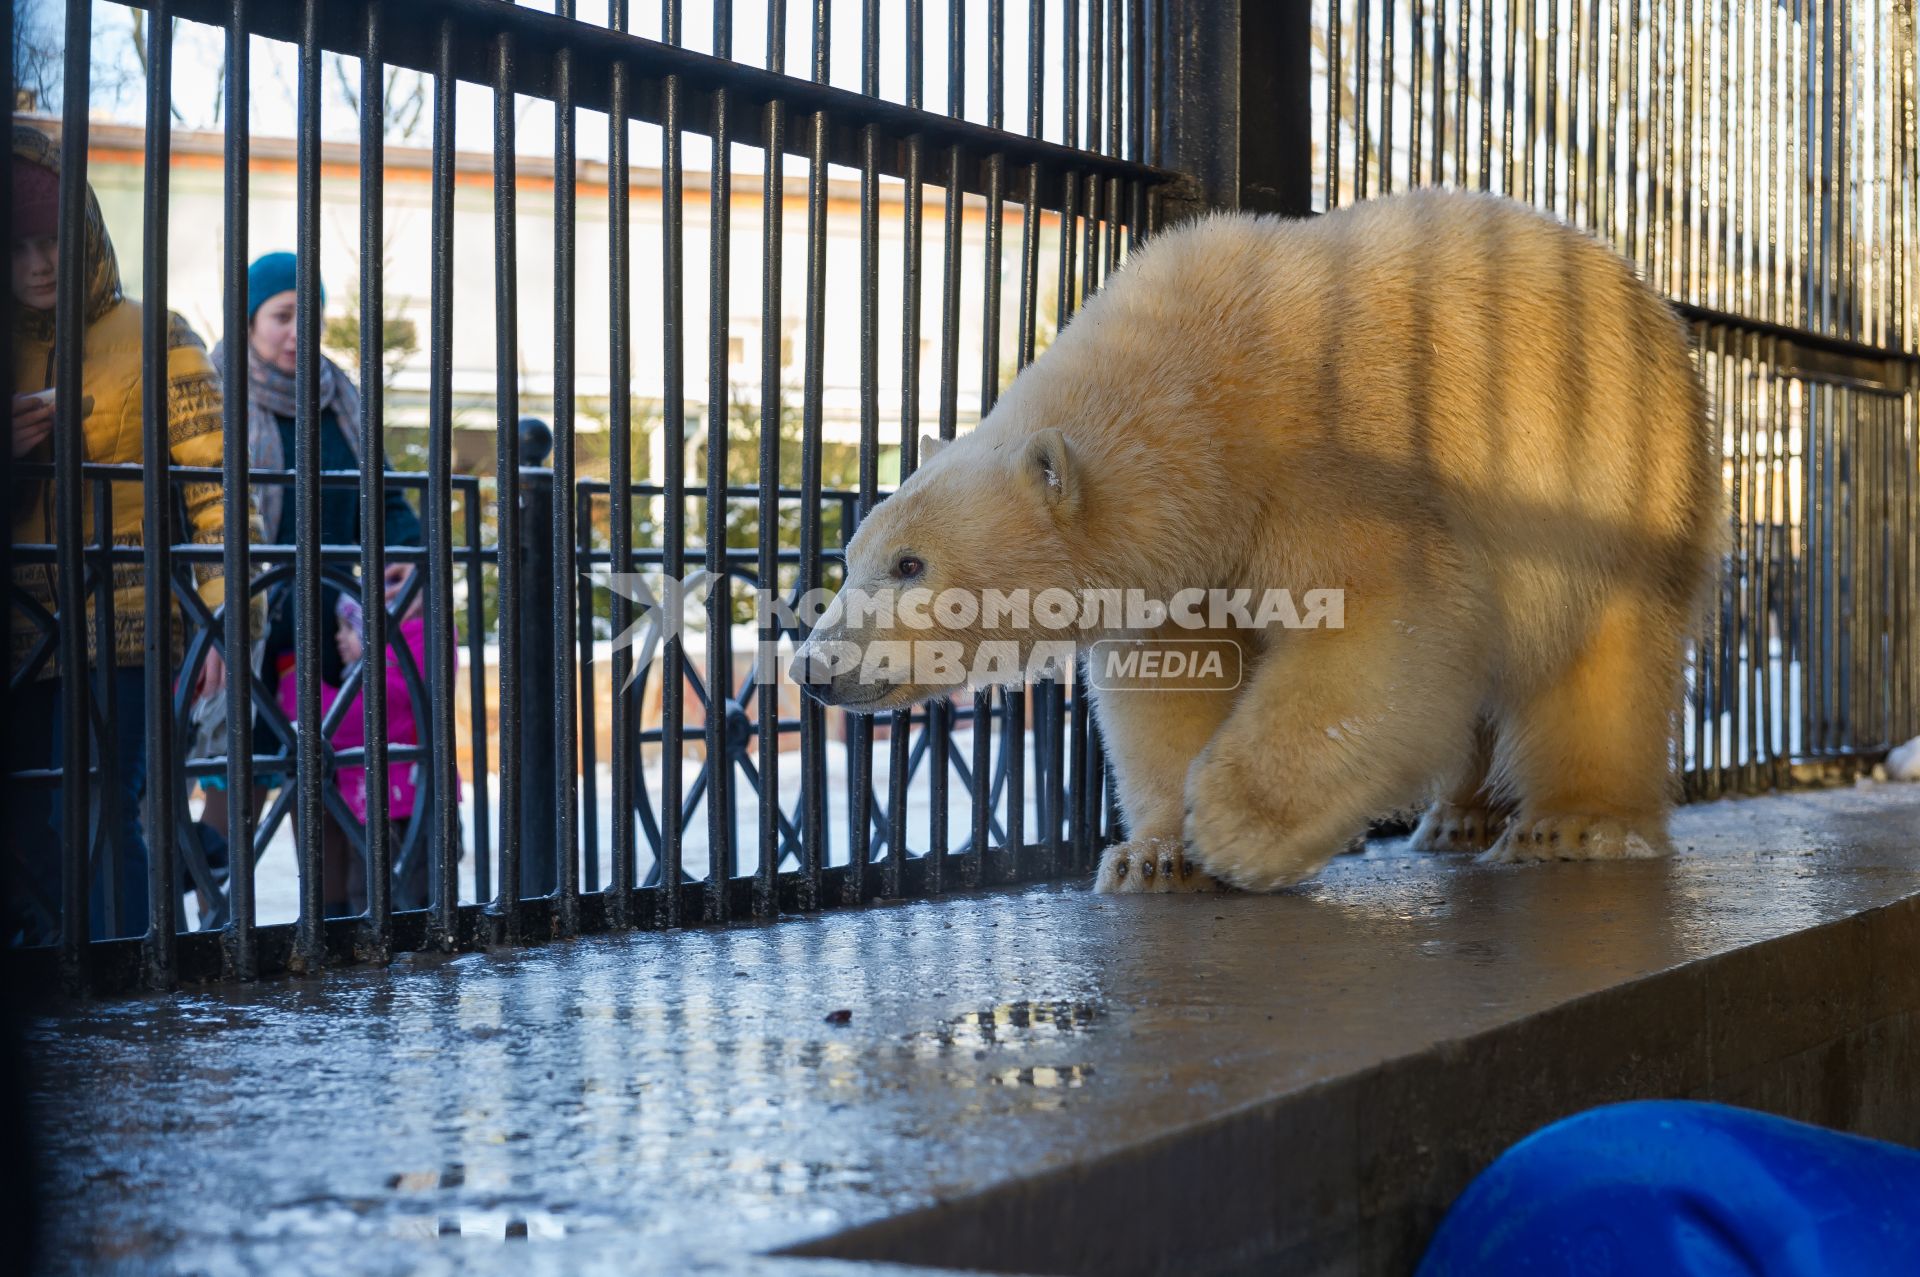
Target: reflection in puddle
{"x":483,"y":1225}
{"x":1015,"y":1022}
{"x":452,"y":1176}
{"x":1044,"y":1076}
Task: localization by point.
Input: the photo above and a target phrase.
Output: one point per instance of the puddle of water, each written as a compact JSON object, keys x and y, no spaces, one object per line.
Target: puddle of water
{"x":1017,"y":1021}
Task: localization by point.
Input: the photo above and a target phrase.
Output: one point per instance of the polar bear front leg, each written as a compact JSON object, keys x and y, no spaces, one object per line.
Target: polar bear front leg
{"x":1151,"y":739}
{"x":1334,"y":727}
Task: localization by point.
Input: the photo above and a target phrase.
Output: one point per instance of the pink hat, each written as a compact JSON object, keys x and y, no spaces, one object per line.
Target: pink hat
{"x":36,"y":199}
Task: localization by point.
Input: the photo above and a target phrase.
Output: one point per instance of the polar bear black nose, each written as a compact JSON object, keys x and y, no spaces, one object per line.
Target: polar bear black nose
{"x":811,"y":671}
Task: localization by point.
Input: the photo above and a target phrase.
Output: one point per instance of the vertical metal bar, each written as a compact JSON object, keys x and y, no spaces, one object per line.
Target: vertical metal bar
{"x":1335,"y":110}
{"x":1388,"y":88}
{"x":1775,"y":178}
{"x":1880,"y":330}
{"x":900,"y":726}
{"x":1814,"y":157}
{"x":940,"y":712}
{"x":989,"y":393}
{"x":1016,"y":695}
{"x":997,"y":63}
{"x":1438,"y":76}
{"x":67,"y":460}
{"x":241,"y":957}
{"x":156,"y":534}
{"x":1792,"y":218}
{"x":378,"y":941}
{"x":1634,"y":200}
{"x":1687,"y":193}
{"x":309,"y":942}
{"x":1726,"y":617}
{"x":1813,"y":700}
{"x":1772,"y":605}
{"x":566,"y":772}
{"x":1801,"y":579}
{"x":813,"y":725}
{"x":719,"y":761}
{"x":625,"y":730}
{"x":107,"y":835}
{"x":1028,"y":339}
{"x":1615,"y":74}
{"x":1096,"y":69}
{"x":860,"y":726}
{"x":1136,"y":81}
{"x":1704,"y":655}
{"x":1593,"y":115}
{"x":1462,"y":80}
{"x":1754,"y":528}
{"x":772,"y":221}
{"x":1847,"y":582}
{"x":506,"y":494}
{"x":1835,"y":177}
{"x":444,"y":831}
{"x":1510,"y":89}
{"x":1362,"y":101}
{"x":1552,"y":124}
{"x":1828,"y":564}
{"x":673,"y":270}
{"x":1747,"y":260}
{"x":476,"y":563}
{"x":1671,"y":281}
{"x":588,"y":693}
{"x":1416,"y":99}
{"x":1486,"y":95}
{"x":1058,"y":783}
{"x":1036,"y":65}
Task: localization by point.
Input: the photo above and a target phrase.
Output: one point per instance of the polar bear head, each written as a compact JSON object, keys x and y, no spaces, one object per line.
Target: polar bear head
{"x":957,"y":578}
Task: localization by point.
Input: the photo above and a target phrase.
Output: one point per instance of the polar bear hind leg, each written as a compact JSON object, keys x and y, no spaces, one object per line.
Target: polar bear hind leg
{"x":1470,"y":814}
{"x":1586,"y":754}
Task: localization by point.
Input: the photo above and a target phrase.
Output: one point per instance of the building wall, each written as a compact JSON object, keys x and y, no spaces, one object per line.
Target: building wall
{"x":196,"y":247}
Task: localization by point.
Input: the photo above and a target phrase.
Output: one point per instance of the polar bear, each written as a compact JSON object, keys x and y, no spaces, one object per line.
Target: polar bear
{"x":1473,"y":423}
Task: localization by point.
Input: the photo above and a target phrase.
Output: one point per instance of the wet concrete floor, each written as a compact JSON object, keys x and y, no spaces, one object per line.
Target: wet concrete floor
{"x":682,"y":1103}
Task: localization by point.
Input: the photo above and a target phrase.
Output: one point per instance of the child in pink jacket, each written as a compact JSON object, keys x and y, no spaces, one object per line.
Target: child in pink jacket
{"x":410,"y":891}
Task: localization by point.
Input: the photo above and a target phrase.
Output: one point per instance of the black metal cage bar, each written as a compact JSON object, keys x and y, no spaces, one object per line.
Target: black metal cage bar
{"x":1756,"y":161}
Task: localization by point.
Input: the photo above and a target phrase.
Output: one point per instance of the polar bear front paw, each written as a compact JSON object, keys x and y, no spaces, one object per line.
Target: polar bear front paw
{"x":1574,"y":838}
{"x":1446,"y":827}
{"x":1158,"y":865}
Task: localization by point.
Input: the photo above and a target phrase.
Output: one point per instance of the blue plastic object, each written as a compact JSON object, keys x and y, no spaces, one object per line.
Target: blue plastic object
{"x":1686,"y":1188}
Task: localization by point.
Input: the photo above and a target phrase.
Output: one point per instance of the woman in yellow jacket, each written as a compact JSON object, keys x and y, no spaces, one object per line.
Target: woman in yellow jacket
{"x":111,"y":427}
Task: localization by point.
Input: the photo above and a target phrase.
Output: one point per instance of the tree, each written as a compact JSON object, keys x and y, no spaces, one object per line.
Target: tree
{"x":403,"y":98}
{"x":399,"y":341}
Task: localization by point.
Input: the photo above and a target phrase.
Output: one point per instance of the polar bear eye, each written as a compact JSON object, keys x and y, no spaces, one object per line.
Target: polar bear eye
{"x":908,"y":567}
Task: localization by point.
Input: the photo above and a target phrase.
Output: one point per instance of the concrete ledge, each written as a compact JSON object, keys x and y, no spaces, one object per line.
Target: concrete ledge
{"x":1035,"y":1081}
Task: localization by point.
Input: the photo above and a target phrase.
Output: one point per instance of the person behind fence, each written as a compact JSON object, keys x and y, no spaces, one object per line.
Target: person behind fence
{"x":409,"y":628}
{"x":272,"y":357}
{"x":109,"y":416}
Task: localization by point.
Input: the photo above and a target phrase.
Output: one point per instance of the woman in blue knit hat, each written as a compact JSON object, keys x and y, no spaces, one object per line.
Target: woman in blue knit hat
{"x":272,"y":355}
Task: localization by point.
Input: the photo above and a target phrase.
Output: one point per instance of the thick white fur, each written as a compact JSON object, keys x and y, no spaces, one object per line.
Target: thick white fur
{"x":1474,"y":420}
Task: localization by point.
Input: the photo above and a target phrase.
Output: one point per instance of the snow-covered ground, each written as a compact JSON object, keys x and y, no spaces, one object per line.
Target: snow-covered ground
{"x":276,"y":879}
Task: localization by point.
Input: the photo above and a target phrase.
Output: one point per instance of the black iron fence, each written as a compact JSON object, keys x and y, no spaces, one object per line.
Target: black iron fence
{"x":1772,"y":209}
{"x":1757,"y":161}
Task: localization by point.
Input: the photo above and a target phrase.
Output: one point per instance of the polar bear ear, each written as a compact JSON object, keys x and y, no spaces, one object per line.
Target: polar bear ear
{"x":1049,"y":464}
{"x":930,"y":447}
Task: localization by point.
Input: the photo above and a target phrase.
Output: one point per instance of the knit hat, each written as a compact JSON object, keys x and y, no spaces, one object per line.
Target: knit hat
{"x":270,"y":275}
{"x":36,"y":199}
